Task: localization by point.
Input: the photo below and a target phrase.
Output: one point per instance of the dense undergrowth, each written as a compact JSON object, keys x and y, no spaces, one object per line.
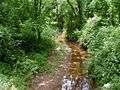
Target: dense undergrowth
{"x":103,"y":44}
{"x":18,"y":65}
{"x":26,"y":39}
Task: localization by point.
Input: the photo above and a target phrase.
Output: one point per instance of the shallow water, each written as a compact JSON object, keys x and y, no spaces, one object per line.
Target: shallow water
{"x":77,"y":66}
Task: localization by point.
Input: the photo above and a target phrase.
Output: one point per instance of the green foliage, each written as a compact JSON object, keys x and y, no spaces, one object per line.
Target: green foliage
{"x":101,"y":36}
{"x":4,"y":82}
{"x":99,"y":7}
{"x":88,"y":29}
{"x":6,"y":45}
{"x":18,"y":65}
{"x":73,"y":35}
{"x":13,"y":12}
{"x":116,"y":84}
{"x":28,"y":31}
{"x":26,"y":38}
{"x":104,"y":44}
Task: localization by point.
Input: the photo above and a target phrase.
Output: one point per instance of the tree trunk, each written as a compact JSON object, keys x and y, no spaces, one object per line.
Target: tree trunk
{"x":35,"y":9}
{"x":71,"y":7}
{"x":119,"y":14}
{"x":37,"y":12}
{"x":80,"y":14}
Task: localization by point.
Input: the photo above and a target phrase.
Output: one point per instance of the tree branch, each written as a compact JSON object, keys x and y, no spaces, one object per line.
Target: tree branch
{"x":71,"y":7}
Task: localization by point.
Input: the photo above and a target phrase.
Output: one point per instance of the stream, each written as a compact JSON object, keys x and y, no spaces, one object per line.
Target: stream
{"x":77,"y":69}
{"x":73,"y":72}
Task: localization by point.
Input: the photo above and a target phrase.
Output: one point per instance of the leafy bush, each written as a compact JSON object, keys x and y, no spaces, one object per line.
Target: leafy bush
{"x":74,"y":35}
{"x":89,"y":30}
{"x":104,"y":45}
{"x":25,"y":64}
{"x":6,"y":45}
{"x":4,"y":82}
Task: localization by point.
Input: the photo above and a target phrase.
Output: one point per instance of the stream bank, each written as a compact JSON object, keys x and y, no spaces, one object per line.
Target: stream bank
{"x":73,"y":64}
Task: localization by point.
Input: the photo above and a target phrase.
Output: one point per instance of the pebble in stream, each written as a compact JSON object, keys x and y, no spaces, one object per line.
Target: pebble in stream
{"x":79,"y":83}
{"x":84,"y":84}
{"x":68,"y":83}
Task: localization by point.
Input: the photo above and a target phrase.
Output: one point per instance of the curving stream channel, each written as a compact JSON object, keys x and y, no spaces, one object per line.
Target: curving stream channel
{"x":74,"y":69}
{"x":77,"y":68}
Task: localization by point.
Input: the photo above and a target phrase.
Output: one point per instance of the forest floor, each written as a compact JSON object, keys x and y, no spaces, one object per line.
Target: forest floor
{"x":67,"y":66}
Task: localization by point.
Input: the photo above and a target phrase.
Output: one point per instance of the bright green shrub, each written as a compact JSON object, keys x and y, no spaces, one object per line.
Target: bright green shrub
{"x":89,"y":30}
{"x":25,"y":64}
{"x":104,"y":45}
{"x":4,"y":82}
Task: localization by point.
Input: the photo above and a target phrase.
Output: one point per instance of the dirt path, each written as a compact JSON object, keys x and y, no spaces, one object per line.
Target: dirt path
{"x":73,"y":64}
{"x":50,"y":82}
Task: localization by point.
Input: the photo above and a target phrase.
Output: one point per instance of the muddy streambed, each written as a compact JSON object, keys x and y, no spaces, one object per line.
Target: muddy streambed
{"x":77,"y":66}
{"x":74,"y":66}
